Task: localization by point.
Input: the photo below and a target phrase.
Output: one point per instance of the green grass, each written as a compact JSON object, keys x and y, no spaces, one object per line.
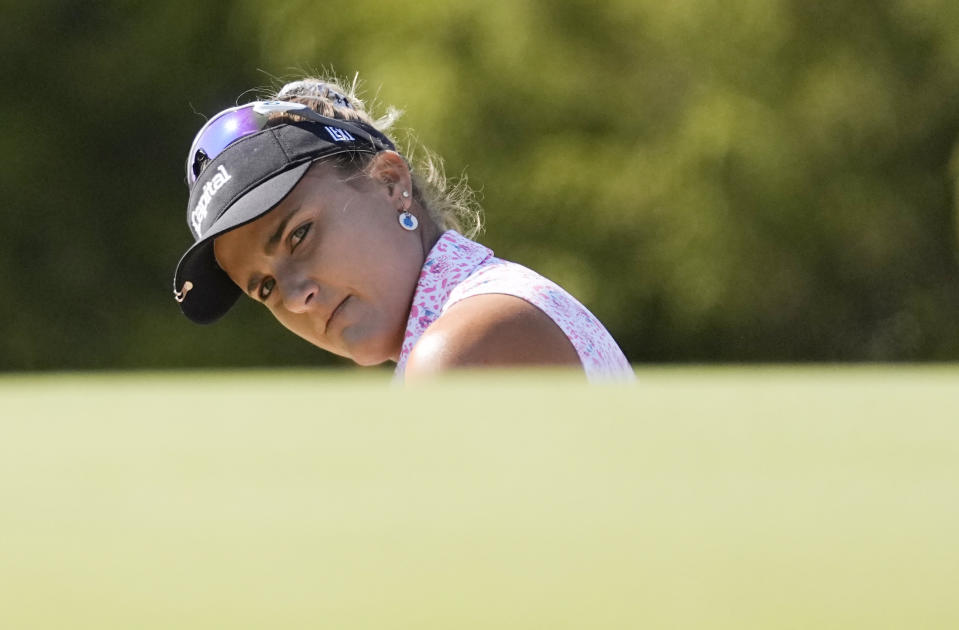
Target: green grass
{"x":699,"y":498}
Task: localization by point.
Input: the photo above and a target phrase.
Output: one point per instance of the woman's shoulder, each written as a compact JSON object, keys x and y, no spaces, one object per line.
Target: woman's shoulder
{"x":501,"y":313}
{"x":490,"y":329}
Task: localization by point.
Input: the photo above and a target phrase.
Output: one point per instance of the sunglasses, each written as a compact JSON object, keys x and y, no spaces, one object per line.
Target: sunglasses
{"x":237,"y":122}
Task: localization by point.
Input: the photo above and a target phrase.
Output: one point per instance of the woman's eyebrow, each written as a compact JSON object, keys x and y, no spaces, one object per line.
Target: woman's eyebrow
{"x":275,"y":239}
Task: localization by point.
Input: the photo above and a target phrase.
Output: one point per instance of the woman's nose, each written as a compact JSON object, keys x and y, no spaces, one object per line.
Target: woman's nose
{"x":297,"y":292}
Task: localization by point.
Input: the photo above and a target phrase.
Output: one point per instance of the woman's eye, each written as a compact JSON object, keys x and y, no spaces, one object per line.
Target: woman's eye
{"x":266,"y":288}
{"x":298,"y":235}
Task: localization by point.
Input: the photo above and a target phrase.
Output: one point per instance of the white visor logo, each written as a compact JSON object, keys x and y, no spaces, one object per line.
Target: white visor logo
{"x":209,"y":189}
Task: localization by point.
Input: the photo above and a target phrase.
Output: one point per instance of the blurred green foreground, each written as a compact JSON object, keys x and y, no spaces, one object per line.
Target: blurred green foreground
{"x":736,"y":498}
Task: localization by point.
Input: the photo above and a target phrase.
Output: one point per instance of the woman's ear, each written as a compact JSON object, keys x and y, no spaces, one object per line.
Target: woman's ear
{"x":389,"y":168}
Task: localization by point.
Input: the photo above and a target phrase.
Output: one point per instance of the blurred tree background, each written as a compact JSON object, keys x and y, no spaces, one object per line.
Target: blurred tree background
{"x":746,"y":180}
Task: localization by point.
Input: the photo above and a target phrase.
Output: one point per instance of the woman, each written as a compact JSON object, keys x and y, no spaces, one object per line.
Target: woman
{"x":304,"y":204}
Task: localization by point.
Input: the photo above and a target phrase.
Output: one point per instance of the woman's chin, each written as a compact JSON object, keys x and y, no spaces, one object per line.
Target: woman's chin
{"x":369,"y":352}
{"x":369,"y":357}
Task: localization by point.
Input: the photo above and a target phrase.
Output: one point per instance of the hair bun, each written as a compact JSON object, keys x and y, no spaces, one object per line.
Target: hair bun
{"x":315,"y":89}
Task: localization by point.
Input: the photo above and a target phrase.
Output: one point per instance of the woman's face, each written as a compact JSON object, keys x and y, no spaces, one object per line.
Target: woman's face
{"x":332,"y":263}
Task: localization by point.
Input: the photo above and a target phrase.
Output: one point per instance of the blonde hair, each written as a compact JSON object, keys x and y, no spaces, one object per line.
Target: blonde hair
{"x":451,"y":204}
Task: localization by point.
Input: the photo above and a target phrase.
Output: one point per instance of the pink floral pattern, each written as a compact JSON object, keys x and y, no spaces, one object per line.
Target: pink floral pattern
{"x":457,"y":268}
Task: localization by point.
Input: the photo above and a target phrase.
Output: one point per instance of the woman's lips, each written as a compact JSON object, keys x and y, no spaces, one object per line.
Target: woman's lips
{"x":333,"y":314}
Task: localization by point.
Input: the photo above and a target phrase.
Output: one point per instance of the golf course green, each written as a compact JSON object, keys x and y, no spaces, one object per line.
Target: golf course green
{"x":749,"y":497}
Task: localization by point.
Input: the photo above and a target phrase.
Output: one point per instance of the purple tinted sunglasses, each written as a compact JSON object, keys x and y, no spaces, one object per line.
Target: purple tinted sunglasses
{"x":237,"y":122}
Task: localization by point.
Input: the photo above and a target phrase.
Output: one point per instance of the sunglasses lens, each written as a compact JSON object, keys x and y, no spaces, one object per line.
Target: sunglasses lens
{"x":232,"y":124}
{"x":221,"y":131}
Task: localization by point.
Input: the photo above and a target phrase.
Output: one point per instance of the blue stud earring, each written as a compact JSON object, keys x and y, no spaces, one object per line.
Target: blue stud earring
{"x":408,"y":221}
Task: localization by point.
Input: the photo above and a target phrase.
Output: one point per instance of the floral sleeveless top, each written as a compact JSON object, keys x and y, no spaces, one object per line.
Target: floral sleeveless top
{"x":457,"y":268}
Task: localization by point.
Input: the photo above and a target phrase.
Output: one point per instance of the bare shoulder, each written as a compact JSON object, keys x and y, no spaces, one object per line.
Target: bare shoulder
{"x":488,"y":331}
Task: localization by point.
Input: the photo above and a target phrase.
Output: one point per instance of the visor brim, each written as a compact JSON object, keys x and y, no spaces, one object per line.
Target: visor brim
{"x":213,"y":293}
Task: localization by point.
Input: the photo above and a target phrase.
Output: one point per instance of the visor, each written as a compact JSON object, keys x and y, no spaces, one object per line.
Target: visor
{"x":238,"y":170}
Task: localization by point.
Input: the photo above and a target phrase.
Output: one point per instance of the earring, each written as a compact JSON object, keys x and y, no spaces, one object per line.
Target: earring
{"x":406,"y":194}
{"x":408,"y":221}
